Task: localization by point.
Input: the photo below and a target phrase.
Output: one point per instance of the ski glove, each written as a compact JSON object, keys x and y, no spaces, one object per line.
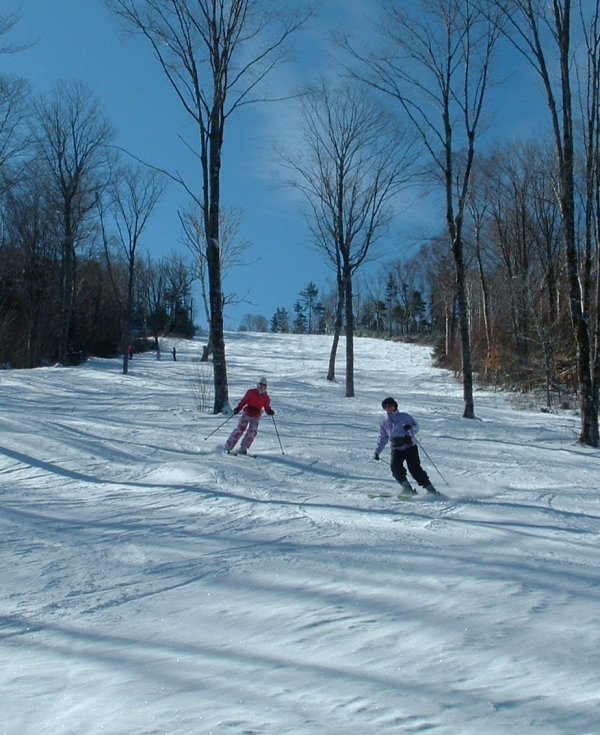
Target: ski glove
{"x":407,"y":427}
{"x":376,"y":456}
{"x":271,"y":412}
{"x":236,"y":410}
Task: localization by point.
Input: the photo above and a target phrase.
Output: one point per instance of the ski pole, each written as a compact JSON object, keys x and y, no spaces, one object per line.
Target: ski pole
{"x":429,"y":458}
{"x":218,"y":427}
{"x":275,"y":425}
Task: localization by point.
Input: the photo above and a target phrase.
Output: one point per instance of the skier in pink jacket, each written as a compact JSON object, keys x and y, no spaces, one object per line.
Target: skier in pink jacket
{"x":252,"y":405}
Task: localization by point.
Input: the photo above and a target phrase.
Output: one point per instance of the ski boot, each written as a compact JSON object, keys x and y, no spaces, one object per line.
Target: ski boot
{"x":407,"y":488}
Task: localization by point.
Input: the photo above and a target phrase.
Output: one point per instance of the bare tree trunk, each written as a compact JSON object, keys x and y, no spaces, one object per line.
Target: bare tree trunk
{"x":485,"y":298}
{"x":217,"y":339}
{"x":68,"y":286}
{"x":337,"y":327}
{"x":212,"y":199}
{"x":465,"y":339}
{"x":348,"y":307}
{"x":592,"y":243}
{"x":587,"y":401}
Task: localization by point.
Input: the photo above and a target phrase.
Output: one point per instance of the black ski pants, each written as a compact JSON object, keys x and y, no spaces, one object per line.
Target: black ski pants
{"x":410,"y":455}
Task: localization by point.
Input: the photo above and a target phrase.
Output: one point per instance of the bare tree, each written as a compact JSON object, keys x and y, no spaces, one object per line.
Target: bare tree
{"x":7,"y":22}
{"x":542,"y":33}
{"x":590,"y":93}
{"x":13,"y":96}
{"x":178,"y":281}
{"x":134,"y":194}
{"x":230,"y":252}
{"x":13,"y":141}
{"x":354,"y":164}
{"x":439,"y":276}
{"x":163,"y":294}
{"x":254,"y":323}
{"x":71,"y":138}
{"x":215,"y":55}
{"x":477,"y":206}
{"x":435,"y":63}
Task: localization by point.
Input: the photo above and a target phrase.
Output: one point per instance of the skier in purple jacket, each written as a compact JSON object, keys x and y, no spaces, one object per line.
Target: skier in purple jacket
{"x":399,"y":429}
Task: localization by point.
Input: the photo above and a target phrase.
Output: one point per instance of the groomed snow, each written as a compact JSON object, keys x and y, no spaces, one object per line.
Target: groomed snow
{"x":151,"y":584}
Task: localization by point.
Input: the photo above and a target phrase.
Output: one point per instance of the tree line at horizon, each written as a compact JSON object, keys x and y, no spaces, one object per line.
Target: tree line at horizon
{"x":510,"y":274}
{"x":403,"y":313}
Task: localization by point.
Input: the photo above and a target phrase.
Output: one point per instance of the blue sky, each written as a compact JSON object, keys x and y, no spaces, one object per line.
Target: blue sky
{"x":82,"y":40}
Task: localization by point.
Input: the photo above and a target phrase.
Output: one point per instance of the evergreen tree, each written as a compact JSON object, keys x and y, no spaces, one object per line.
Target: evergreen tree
{"x":280,"y":321}
{"x":418,"y":311}
{"x":391,"y":295}
{"x":320,"y":317}
{"x":299,"y":319}
{"x":308,"y":299}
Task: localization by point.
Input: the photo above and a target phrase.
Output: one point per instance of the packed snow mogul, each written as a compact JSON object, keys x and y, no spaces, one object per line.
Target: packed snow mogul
{"x":399,"y":429}
{"x":252,"y":404}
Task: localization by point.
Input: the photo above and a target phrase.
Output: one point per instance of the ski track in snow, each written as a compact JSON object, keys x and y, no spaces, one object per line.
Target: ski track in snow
{"x":153,"y":584}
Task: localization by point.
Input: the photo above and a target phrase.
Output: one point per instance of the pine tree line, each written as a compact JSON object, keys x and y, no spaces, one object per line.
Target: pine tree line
{"x":402,"y":313}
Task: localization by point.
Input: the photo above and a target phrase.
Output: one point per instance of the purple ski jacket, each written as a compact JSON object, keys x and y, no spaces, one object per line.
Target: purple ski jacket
{"x":392,"y":430}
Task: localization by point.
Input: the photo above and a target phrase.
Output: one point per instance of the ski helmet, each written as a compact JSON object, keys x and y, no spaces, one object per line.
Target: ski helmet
{"x":389,"y":402}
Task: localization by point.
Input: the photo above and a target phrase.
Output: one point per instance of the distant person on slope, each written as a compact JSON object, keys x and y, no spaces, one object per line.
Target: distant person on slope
{"x":251,"y":405}
{"x":399,"y":429}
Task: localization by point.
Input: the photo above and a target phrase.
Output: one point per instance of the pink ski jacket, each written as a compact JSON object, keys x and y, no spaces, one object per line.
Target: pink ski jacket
{"x":254,"y":402}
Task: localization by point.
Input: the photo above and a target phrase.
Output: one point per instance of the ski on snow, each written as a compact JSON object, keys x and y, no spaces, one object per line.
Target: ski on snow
{"x":373,"y":496}
{"x":416,"y":496}
{"x":242,"y":454}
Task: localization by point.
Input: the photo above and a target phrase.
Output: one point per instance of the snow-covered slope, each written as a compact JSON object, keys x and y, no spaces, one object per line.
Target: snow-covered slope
{"x":152,"y":584}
